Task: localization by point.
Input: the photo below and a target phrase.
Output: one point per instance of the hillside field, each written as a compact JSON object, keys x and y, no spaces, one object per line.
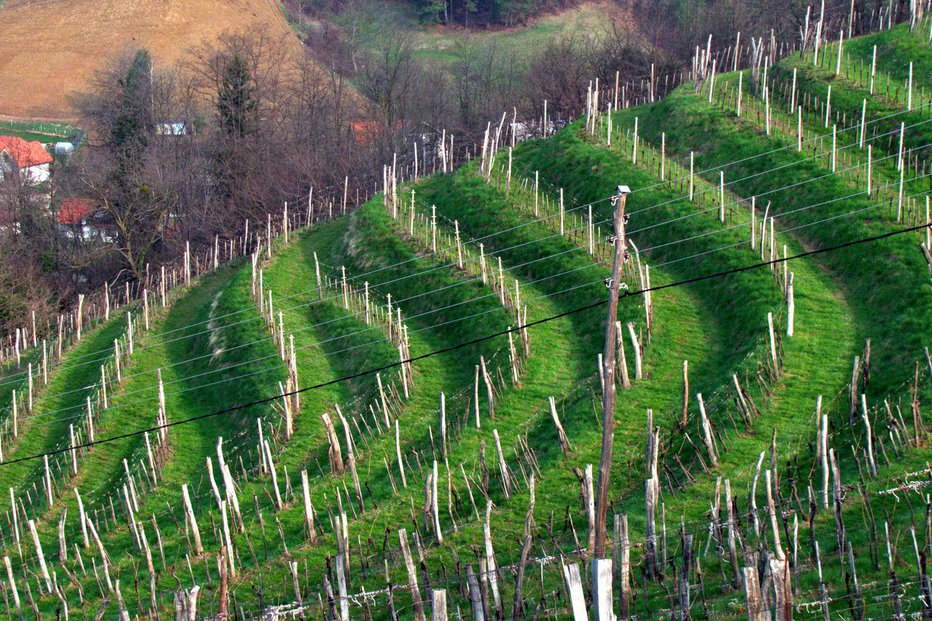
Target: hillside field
{"x":395,"y":412}
{"x":372,"y":24}
{"x":50,"y":49}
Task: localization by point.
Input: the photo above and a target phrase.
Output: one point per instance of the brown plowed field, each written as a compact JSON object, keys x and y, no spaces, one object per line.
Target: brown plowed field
{"x":50,"y":49}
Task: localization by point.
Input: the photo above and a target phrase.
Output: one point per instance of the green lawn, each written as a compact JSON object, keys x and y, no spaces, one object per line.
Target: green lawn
{"x":41,"y":132}
{"x":453,"y":44}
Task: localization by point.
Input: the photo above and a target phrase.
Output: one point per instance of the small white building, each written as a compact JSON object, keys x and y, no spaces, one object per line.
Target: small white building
{"x":171,"y":128}
{"x":29,"y":160}
{"x":64,"y":149}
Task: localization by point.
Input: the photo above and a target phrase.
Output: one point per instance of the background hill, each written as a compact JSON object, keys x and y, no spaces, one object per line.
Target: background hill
{"x":50,"y":49}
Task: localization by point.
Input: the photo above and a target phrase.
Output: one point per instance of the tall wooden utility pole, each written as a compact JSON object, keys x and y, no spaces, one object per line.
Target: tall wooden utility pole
{"x":602,"y":566}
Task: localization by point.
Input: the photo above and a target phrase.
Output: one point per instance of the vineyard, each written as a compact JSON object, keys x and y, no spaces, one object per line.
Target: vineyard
{"x":391,"y":407}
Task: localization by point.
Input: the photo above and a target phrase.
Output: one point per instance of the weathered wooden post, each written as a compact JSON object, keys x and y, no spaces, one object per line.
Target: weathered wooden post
{"x":79,"y":316}
{"x":707,"y":433}
{"x":41,"y":556}
{"x":685,"y":411}
{"x":278,"y":497}
{"x":418,"y":604}
{"x":575,"y":588}
{"x":517,"y":608}
{"x":189,"y":518}
{"x":12,"y":582}
{"x":871,"y":462}
{"x":623,"y":565}
{"x":490,"y":573}
{"x":561,"y":433}
{"x":683,"y":587}
{"x":823,"y":592}
{"x":335,"y":453}
{"x":752,"y":594}
{"x":773,"y":346}
{"x":783,"y":590}
{"x":870,"y":184}
{"x":636,"y":345}
{"x":894,"y":583}
{"x":341,"y":563}
{"x":733,"y":535}
{"x":401,"y":463}
{"x":692,"y":169}
{"x":602,"y":566}
{"x":186,"y":604}
{"x":438,"y":604}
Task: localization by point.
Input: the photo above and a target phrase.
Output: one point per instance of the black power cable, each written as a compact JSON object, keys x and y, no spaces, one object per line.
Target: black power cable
{"x":512,"y":330}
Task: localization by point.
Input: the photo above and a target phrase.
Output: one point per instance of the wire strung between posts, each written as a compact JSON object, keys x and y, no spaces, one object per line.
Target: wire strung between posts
{"x":796,"y":162}
{"x":339,"y":351}
{"x":361,"y":345}
{"x":708,"y":234}
{"x":700,"y":172}
{"x":360,"y":277}
{"x":462,"y":344}
{"x":500,"y":251}
{"x":357,"y":277}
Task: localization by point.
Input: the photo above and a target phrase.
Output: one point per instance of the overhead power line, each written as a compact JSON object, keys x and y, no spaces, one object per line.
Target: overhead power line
{"x":480,"y":339}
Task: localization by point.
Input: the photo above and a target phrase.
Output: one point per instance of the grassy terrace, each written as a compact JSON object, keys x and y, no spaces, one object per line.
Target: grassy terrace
{"x":196,"y":377}
{"x":180,"y":346}
{"x":16,"y":377}
{"x":287,"y":276}
{"x":815,"y":357}
{"x":884,"y":113}
{"x":429,"y":293}
{"x":59,"y":404}
{"x":695,"y":334}
{"x":872,"y":278}
{"x":895,"y":49}
{"x":563,"y":355}
{"x":823,"y":344}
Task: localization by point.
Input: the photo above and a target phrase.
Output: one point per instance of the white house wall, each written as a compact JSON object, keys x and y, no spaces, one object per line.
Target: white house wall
{"x":35,"y":175}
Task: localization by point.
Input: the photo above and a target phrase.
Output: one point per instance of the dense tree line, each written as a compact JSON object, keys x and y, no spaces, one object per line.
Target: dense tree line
{"x":468,"y":13}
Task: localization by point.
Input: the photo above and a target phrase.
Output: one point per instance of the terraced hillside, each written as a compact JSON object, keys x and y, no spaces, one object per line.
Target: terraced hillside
{"x":396,"y":413}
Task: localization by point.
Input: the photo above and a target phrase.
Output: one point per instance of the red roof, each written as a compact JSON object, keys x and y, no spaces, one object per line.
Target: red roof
{"x":74,"y":211}
{"x":24,"y":154}
{"x":365,"y":132}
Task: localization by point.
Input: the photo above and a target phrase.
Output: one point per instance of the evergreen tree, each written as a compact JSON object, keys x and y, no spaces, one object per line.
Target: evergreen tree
{"x":132,"y":122}
{"x":236,"y":99}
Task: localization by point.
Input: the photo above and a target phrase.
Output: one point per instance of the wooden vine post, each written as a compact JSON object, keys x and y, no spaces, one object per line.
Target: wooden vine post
{"x":602,"y":566}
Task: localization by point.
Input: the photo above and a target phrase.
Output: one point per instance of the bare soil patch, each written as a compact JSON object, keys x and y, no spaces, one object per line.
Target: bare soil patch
{"x":50,"y":49}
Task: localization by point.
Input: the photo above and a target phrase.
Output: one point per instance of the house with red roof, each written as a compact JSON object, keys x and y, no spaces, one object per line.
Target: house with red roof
{"x":81,"y":218}
{"x":29,"y":160}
